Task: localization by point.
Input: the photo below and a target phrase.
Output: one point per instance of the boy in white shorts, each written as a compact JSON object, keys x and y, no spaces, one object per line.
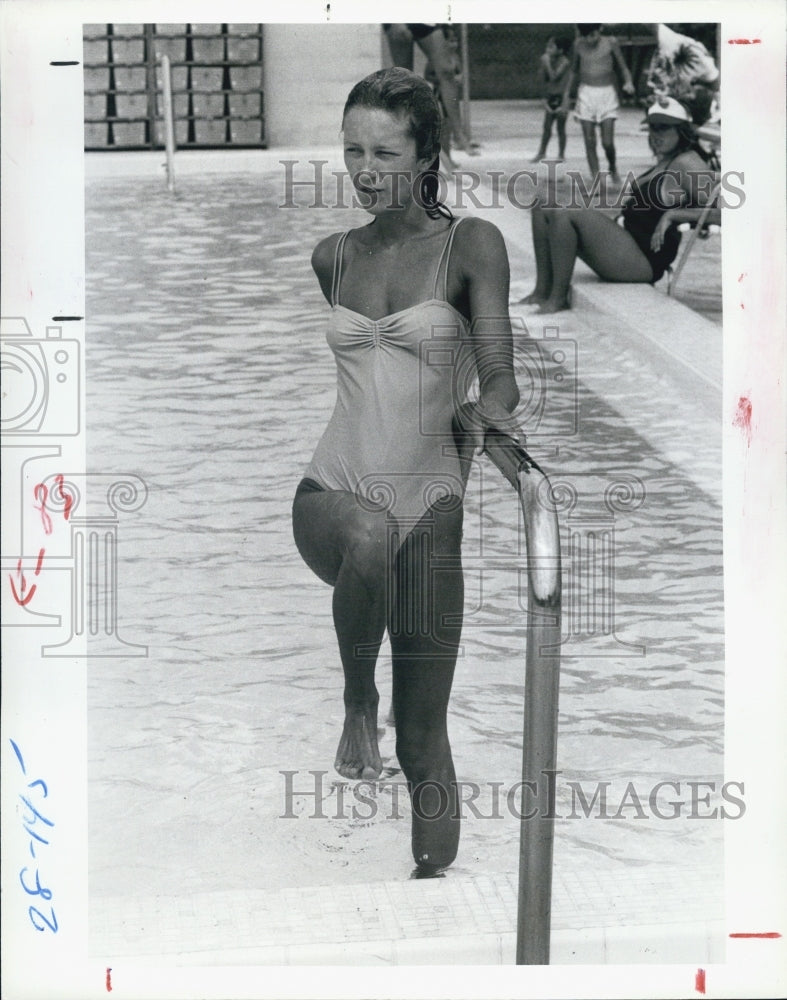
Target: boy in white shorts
{"x":595,"y":56}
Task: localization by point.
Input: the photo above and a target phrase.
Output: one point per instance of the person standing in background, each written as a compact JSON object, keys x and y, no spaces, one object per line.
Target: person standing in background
{"x":555,"y":66}
{"x":434,"y":82}
{"x":595,"y":58}
{"x":432,"y":42}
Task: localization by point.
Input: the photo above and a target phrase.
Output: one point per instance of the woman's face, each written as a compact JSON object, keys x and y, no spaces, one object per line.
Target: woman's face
{"x":381,"y":158}
{"x":663,"y":138}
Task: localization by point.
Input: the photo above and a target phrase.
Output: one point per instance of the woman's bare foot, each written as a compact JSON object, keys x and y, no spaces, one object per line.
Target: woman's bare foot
{"x":554,"y":305}
{"x":358,"y":755}
{"x":535,"y":298}
{"x":539,"y":156}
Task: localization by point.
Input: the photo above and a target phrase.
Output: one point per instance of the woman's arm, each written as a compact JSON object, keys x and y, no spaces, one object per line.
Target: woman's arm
{"x":322,"y":262}
{"x":675,"y":216}
{"x":688,"y":182}
{"x":688,"y":186}
{"x":484,"y":266}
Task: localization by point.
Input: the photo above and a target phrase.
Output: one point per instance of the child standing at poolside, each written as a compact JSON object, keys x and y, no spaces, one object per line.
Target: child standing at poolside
{"x":594,"y":61}
{"x":555,"y":66}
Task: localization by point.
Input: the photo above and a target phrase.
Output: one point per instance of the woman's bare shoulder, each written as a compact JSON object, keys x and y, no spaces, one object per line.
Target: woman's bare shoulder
{"x":689,"y":159}
{"x":478,"y":240}
{"x":477,"y":234}
{"x":323,"y":255}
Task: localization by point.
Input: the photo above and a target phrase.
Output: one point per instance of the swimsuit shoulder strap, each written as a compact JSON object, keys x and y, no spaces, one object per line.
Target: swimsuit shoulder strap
{"x":658,"y":177}
{"x":651,"y":174}
{"x":442,"y":263}
{"x":338,"y":258}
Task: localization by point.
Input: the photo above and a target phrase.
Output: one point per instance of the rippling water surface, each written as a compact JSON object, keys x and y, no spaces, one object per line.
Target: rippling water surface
{"x":209,"y":376}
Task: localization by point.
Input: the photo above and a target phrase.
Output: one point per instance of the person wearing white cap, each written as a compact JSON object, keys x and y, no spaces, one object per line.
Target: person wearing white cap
{"x":643,"y":247}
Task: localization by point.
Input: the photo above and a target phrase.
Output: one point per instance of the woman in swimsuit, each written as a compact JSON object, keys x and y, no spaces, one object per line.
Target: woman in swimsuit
{"x":645,"y":245}
{"x":419,"y":306}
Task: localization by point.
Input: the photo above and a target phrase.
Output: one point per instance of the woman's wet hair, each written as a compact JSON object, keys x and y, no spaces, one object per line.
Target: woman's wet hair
{"x":588,"y":29}
{"x":402,"y":92}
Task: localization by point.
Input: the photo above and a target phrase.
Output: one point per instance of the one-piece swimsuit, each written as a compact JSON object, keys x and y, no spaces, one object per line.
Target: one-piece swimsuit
{"x":400,"y":380}
{"x":642,"y":214}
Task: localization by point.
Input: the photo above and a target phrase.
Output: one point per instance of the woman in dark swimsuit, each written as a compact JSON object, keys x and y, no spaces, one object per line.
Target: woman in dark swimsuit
{"x":646,"y":244}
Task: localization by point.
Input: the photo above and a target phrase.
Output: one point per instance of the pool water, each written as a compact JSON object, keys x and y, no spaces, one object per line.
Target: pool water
{"x":208,"y":375}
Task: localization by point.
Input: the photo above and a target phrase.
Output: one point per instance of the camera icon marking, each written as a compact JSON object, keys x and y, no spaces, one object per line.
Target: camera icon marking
{"x":40,"y":378}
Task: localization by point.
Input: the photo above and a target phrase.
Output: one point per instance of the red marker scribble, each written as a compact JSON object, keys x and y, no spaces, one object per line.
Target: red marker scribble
{"x":109,"y":980}
{"x":699,"y":981}
{"x":744,"y":41}
{"x":67,"y":499}
{"x":41,"y":493}
{"x":742,"y":417}
{"x":770,"y":935}
{"x":21,"y":597}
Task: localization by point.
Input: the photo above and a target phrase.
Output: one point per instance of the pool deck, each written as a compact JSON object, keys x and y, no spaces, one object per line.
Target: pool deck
{"x":596,"y":919}
{"x":456,"y":920}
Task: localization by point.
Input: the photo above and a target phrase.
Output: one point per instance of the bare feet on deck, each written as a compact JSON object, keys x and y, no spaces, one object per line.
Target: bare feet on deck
{"x":553,"y":306}
{"x":533,"y":299}
{"x":358,"y":755}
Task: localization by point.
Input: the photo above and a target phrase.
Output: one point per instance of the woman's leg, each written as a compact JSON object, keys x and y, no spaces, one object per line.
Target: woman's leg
{"x":589,"y":135}
{"x":425,"y":627}
{"x":349,"y":547}
{"x":597,"y":240}
{"x":543,"y":254}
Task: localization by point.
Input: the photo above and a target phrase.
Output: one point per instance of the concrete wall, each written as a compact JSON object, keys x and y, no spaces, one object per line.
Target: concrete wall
{"x":308,"y":70}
